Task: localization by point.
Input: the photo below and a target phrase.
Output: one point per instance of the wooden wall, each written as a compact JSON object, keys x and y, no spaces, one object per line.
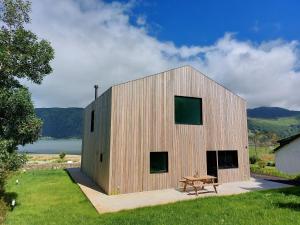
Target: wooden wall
{"x":142,"y":120}
{"x":97,"y":142}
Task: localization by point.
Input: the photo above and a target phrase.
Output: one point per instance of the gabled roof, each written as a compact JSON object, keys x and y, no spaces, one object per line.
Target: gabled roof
{"x":176,"y":68}
{"x":180,"y":67}
{"x":286,"y":141}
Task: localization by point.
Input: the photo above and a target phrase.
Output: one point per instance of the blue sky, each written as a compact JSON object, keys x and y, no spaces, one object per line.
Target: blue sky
{"x":199,"y":22}
{"x":252,"y":47}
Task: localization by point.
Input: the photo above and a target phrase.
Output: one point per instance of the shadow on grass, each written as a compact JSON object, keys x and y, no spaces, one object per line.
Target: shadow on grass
{"x":288,"y":191}
{"x":289,"y":205}
{"x":293,"y":191}
{"x":78,"y":177}
{"x":71,"y":178}
{"x":8,"y":197}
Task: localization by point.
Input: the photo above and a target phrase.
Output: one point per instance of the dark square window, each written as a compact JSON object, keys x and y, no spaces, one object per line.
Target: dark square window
{"x":158,"y":162}
{"x":228,"y":159}
{"x":92,"y":120}
{"x":188,"y":110}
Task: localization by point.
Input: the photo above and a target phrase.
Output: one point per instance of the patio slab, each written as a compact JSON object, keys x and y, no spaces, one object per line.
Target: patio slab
{"x":104,"y":203}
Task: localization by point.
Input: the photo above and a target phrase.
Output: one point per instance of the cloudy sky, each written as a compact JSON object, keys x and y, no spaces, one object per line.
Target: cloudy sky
{"x":255,"y":54}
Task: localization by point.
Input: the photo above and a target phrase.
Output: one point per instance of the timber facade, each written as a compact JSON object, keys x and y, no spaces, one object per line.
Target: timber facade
{"x":147,"y":134}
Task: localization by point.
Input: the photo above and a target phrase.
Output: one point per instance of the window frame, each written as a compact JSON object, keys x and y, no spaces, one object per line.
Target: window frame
{"x":167,"y":163}
{"x":222,"y":167}
{"x":201,"y":110}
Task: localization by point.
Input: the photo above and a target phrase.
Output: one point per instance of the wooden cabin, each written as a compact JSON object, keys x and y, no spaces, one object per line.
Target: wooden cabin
{"x":148,"y":133}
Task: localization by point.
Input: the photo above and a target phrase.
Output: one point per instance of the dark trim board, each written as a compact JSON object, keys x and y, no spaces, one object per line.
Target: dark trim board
{"x":286,"y":141}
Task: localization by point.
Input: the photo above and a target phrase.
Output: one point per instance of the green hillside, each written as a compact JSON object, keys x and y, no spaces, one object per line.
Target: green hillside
{"x":61,"y":122}
{"x":283,"y":127}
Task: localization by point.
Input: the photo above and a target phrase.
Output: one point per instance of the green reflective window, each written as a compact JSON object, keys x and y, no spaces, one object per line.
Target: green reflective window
{"x":188,"y":110}
{"x":158,"y":162}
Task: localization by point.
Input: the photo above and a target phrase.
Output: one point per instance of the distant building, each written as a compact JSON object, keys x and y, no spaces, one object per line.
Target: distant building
{"x":287,"y":155}
{"x":148,"y":133}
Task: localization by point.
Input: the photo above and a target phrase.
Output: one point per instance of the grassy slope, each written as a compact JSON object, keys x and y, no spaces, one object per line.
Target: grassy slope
{"x":284,"y":126}
{"x":50,"y":197}
{"x":270,"y":170}
{"x":260,"y":150}
{"x":264,"y":153}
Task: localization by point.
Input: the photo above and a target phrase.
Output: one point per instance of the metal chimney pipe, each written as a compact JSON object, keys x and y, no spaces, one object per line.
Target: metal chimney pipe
{"x":96,"y":90}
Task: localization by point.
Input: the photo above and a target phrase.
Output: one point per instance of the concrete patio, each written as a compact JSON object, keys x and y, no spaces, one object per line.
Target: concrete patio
{"x":113,"y":203}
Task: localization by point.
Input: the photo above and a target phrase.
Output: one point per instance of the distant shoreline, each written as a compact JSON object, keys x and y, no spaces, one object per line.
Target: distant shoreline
{"x":70,"y":146}
{"x":51,"y":154}
{"x":53,"y":138}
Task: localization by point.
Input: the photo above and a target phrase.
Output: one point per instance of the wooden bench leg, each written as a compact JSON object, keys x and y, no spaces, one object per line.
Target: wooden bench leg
{"x":215,"y":189}
{"x":195,"y":190}
{"x":184,"y":188}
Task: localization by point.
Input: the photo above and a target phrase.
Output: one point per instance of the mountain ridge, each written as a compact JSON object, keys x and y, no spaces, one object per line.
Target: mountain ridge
{"x":61,"y":122}
{"x":271,"y":112}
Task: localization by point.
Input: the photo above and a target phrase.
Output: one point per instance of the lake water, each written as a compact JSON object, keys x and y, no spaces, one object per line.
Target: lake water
{"x":53,"y":146}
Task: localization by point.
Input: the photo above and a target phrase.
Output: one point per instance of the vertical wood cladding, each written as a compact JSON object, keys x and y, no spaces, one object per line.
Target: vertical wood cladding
{"x":138,"y":118}
{"x":97,"y":142}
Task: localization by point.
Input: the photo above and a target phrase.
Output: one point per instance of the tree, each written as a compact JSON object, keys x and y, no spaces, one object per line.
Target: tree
{"x":255,"y":137}
{"x":273,"y":138}
{"x":22,"y":56}
{"x":262,"y":139}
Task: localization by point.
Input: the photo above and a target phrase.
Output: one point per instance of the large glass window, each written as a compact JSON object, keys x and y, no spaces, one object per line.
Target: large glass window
{"x":92,"y":120}
{"x":188,"y":110}
{"x":158,"y":162}
{"x":228,"y":159}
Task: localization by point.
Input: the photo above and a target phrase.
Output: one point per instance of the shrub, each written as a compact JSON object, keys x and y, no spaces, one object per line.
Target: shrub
{"x":297,"y":178}
{"x":262,"y":164}
{"x":271,"y":163}
{"x":62,"y":155}
{"x":253,"y":159}
{"x":9,"y":162}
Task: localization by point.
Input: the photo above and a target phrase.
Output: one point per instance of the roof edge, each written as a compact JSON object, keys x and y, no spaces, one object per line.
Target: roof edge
{"x":179,"y":67}
{"x":285,"y":141}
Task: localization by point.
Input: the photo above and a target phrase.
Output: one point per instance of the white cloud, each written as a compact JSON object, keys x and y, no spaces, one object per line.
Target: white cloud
{"x":141,"y":20}
{"x":264,"y":74}
{"x":95,"y":43}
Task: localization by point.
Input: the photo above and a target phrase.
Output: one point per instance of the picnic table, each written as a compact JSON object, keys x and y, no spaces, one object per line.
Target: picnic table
{"x":199,"y":182}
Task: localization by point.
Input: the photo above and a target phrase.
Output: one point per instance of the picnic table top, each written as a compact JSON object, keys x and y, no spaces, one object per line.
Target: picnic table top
{"x":206,"y":177}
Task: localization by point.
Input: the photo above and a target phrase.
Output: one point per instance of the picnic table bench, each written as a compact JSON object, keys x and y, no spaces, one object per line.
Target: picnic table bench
{"x":199,"y":182}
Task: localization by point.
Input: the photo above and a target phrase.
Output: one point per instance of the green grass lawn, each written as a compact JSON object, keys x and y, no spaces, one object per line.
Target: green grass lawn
{"x":3,"y":209}
{"x":50,"y":197}
{"x":270,"y":170}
